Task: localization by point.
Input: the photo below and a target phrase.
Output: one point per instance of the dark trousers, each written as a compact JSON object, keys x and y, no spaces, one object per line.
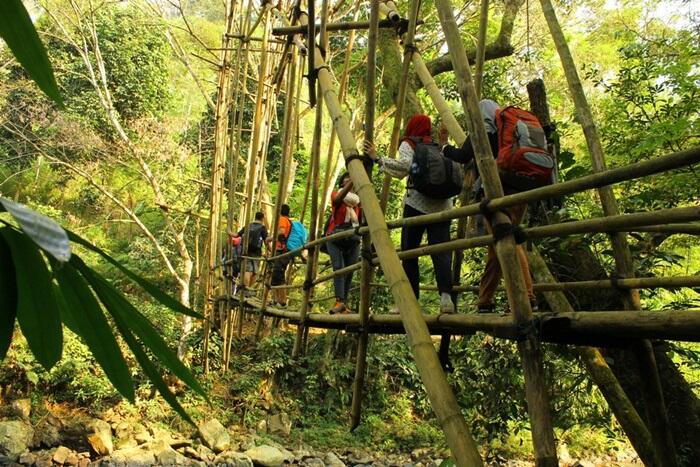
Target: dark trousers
{"x":343,"y":255}
{"x":411,"y":237}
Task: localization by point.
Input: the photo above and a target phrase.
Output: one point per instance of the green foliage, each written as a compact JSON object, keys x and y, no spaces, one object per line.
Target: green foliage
{"x":18,"y":32}
{"x":39,"y":301}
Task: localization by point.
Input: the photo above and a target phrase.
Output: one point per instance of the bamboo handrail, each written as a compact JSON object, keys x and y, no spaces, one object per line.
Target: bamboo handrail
{"x":614,"y":328}
{"x":629,"y":172}
{"x":601,"y":224}
{"x":344,"y":26}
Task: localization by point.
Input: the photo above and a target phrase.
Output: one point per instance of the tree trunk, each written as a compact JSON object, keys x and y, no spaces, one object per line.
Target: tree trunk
{"x":574,"y":260}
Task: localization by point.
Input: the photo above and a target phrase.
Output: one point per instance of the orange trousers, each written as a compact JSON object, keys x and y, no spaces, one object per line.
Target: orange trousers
{"x":493,"y":274}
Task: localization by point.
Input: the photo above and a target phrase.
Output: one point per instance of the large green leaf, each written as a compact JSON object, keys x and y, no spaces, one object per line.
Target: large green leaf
{"x":89,"y":322}
{"x":43,"y":230}
{"x":121,"y":309}
{"x":148,"y":286}
{"x":17,"y":30}
{"x":150,"y":369}
{"x":8,"y":298}
{"x":37,"y":310}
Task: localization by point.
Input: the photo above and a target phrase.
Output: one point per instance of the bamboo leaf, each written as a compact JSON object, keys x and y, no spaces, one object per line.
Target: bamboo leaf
{"x":147,"y":285}
{"x":8,"y":298}
{"x":17,"y":30}
{"x":121,"y":309}
{"x":37,"y":311}
{"x":89,"y":322}
{"x":44,"y":231}
{"x":151,"y":371}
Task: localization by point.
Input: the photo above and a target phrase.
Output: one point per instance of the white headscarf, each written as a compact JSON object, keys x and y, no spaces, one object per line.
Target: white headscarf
{"x":488,"y":112}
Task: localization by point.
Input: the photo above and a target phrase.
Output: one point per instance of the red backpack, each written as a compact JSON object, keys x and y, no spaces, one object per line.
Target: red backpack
{"x":523,"y":159}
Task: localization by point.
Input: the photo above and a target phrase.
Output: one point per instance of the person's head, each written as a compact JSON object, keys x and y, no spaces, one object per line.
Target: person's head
{"x":285,"y":210}
{"x":259,"y":216}
{"x":488,"y":110}
{"x":345,"y":178}
{"x":419,"y":126}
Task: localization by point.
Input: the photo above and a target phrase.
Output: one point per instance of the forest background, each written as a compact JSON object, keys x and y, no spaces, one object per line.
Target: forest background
{"x":126,"y":163}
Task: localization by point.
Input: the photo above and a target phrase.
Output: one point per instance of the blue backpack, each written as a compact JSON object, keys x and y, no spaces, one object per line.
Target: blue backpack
{"x":297,"y":236}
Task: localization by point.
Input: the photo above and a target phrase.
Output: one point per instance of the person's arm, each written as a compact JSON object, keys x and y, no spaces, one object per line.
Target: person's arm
{"x":397,"y":168}
{"x":462,"y":154}
{"x":339,"y":196}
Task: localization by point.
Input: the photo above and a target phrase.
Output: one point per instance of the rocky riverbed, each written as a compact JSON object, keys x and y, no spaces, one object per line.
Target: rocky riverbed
{"x":113,"y":441}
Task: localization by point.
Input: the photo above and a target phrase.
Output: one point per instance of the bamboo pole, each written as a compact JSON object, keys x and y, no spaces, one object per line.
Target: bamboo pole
{"x":366,"y":270}
{"x":601,"y":224}
{"x":529,"y":347}
{"x":481,"y":47}
{"x":408,"y":47}
{"x":600,"y":372}
{"x":601,"y":328}
{"x":344,"y":26}
{"x":630,"y":172}
{"x":442,"y":398}
{"x":657,"y":417}
{"x":446,"y":115}
{"x":311,"y":262}
{"x":217,"y":179}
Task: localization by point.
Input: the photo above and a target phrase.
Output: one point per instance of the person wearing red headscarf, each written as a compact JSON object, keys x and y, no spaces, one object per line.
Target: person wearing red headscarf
{"x":418,"y":130}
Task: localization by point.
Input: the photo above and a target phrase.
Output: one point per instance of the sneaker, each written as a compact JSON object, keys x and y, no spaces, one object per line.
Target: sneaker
{"x":488,"y":308}
{"x":446,"y":304}
{"x":338,"y":308}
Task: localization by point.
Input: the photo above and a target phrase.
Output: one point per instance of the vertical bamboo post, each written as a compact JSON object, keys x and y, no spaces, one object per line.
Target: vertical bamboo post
{"x":599,"y":371}
{"x":441,"y":396}
{"x":409,"y":48}
{"x":217,"y":179}
{"x":481,"y":47}
{"x":657,"y":416}
{"x":366,"y":271}
{"x":529,"y":346}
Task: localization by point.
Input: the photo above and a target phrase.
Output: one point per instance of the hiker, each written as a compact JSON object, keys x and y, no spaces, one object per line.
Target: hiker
{"x":279,"y":266}
{"x":426,"y":192}
{"x":345,"y":215}
{"x":520,"y":148}
{"x":257,"y":236}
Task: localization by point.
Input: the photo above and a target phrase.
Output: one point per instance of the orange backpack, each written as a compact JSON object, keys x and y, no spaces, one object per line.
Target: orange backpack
{"x":523,"y":159}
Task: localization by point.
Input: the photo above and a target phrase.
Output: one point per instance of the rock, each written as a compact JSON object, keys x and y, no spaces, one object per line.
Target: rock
{"x":15,"y":437}
{"x":134,"y":456}
{"x":584,"y":463}
{"x":47,"y":433}
{"x":100,"y":437}
{"x":331,"y":460}
{"x":266,"y":456}
{"x":233,"y":459}
{"x":122,"y":430}
{"x":27,"y":458}
{"x":215,"y":435}
{"x":60,"y":455}
{"x":279,"y":424}
{"x":192,"y":453}
{"x":21,"y":408}
{"x":205,"y":453}
{"x":126,"y":443}
{"x":71,"y":459}
{"x":313,"y":462}
{"x":564,"y":455}
{"x":141,"y":434}
{"x":84,"y":462}
{"x":169,"y":456}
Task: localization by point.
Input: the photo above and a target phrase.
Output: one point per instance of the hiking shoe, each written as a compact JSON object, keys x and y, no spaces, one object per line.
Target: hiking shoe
{"x":338,"y":308}
{"x":446,"y":304}
{"x":489,"y":308}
